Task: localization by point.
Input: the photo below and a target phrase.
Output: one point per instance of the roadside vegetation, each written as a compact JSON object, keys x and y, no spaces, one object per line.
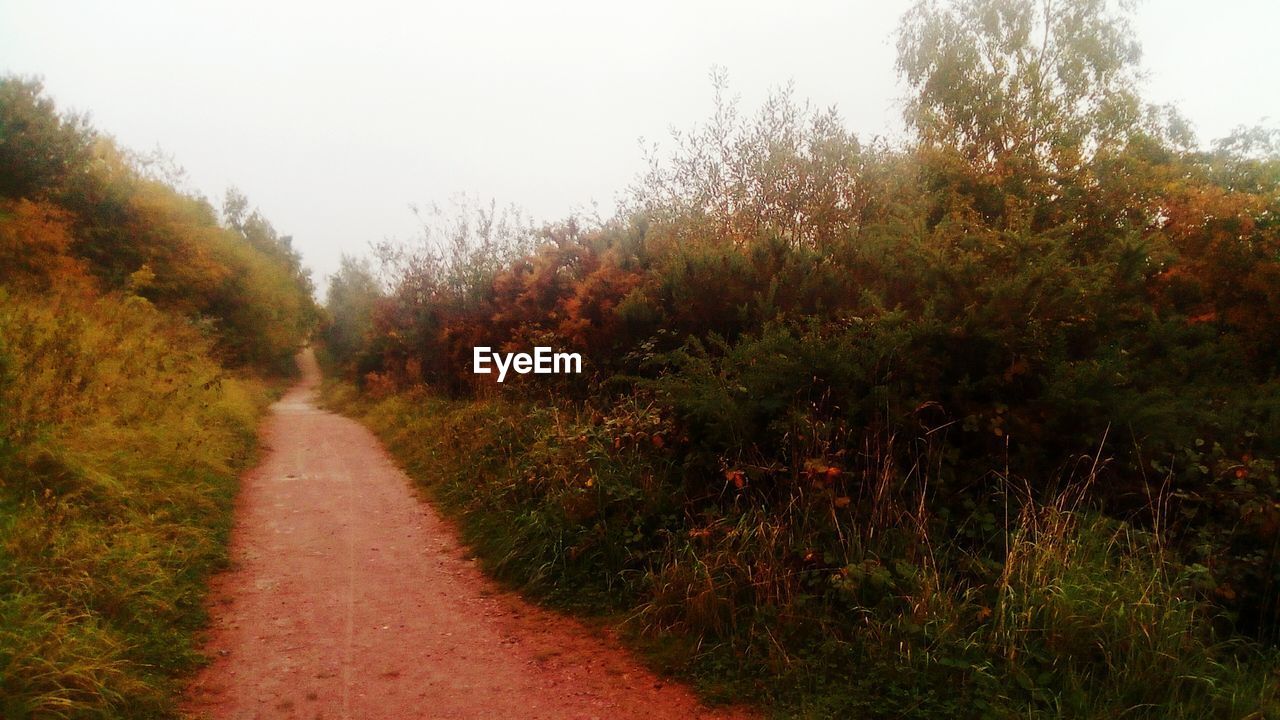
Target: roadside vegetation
{"x":141,"y":335}
{"x":984,"y":424}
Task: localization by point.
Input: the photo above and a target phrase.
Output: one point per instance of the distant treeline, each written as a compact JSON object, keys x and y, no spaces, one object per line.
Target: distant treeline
{"x":136,"y":330}
{"x":820,"y":368}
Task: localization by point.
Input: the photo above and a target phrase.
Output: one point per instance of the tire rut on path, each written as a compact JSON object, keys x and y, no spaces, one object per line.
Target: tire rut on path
{"x":348,"y":597}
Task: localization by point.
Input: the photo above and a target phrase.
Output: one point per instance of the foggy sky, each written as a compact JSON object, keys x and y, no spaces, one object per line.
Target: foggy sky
{"x":334,"y":118}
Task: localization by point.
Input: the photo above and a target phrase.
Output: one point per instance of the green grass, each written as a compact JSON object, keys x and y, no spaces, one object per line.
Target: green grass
{"x":120,"y":445}
{"x":813,"y":606}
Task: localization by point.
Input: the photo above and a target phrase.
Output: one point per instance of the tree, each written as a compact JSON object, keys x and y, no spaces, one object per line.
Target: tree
{"x":353,"y":292}
{"x":1043,"y":84}
{"x":39,"y":148}
{"x":790,"y":171}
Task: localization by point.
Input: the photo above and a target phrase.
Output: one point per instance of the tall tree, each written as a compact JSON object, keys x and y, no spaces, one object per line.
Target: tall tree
{"x":1043,"y":83}
{"x":353,"y":292}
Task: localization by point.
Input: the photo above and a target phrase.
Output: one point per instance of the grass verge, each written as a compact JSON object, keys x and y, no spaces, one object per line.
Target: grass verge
{"x":120,"y":445}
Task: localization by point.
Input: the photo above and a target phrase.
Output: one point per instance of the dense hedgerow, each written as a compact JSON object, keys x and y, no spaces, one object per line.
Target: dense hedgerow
{"x":983,"y":423}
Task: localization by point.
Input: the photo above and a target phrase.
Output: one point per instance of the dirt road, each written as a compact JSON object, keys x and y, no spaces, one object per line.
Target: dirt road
{"x":349,"y":597}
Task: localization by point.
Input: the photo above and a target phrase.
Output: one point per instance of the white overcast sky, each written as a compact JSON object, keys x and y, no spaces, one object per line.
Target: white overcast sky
{"x":335,"y":117}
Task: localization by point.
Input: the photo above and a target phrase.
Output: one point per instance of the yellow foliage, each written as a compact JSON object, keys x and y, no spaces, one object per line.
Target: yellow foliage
{"x":120,"y":441}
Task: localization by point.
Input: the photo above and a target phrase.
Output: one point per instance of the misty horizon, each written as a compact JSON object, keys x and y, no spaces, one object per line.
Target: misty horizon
{"x":335,"y":122}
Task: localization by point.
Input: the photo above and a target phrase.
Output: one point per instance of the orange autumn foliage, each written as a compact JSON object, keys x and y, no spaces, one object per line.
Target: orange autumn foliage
{"x":35,"y":242}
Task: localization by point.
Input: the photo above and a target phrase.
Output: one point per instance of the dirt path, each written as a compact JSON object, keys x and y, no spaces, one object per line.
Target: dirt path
{"x":350,"y":598}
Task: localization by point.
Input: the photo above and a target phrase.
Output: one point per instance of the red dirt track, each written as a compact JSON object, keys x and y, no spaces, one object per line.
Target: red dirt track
{"x":349,"y":597}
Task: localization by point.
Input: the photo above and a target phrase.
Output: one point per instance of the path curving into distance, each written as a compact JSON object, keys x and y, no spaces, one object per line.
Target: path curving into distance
{"x":348,"y":597}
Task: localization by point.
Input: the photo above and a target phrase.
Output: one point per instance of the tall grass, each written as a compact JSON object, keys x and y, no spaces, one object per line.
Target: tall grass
{"x":120,"y":440}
